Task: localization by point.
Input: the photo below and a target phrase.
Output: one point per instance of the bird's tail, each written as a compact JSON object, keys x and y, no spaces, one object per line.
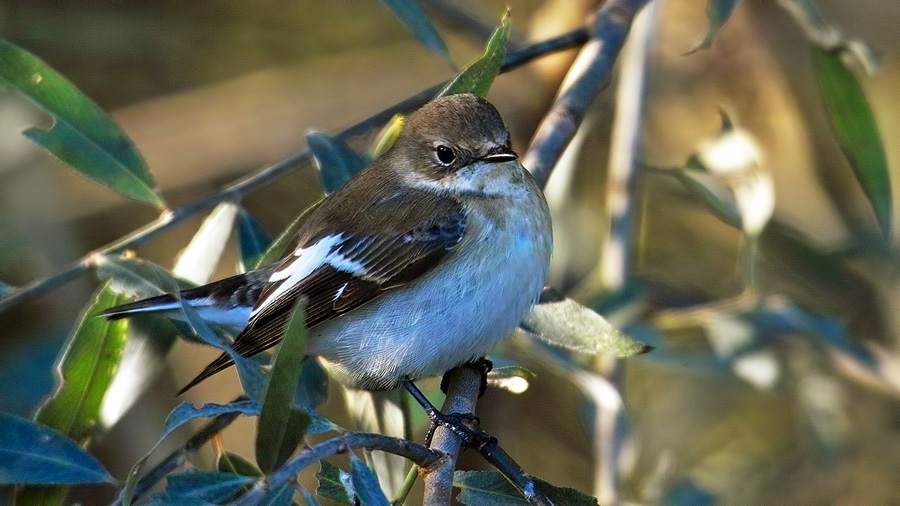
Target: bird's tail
{"x":218,"y":365}
{"x":158,"y":304}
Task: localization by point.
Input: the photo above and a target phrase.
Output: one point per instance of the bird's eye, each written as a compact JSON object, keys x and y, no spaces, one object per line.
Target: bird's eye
{"x":445,"y":155}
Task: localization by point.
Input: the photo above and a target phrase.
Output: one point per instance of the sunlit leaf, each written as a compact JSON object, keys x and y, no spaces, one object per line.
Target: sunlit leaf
{"x":335,"y":484}
{"x":386,"y":137}
{"x":365,"y":484}
{"x":336,"y":160}
{"x":511,"y":378}
{"x":856,"y":131}
{"x":478,"y":77}
{"x":411,"y":14}
{"x":199,"y":259}
{"x":82,"y":135}
{"x":192,"y":486}
{"x":278,"y":248}
{"x":31,"y":453}
{"x":281,"y":427}
{"x":566,"y":323}
{"x":489,"y":488}
{"x":84,"y":372}
{"x":253,"y":240}
{"x":718,"y":12}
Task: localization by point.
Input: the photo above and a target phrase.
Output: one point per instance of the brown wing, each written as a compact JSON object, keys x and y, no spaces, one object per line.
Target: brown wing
{"x":357,"y":267}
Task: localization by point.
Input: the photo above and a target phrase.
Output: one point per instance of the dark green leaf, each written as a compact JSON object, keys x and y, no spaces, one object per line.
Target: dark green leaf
{"x":281,"y":428}
{"x":411,"y":14}
{"x":337,"y":162}
{"x":335,"y":484}
{"x":313,"y":388}
{"x":190,"y":486}
{"x":278,"y":248}
{"x":227,"y":462}
{"x":488,"y":488}
{"x":566,"y":323}
{"x":186,"y":412}
{"x":368,"y":492}
{"x":31,"y":453}
{"x":253,"y":240}
{"x":856,"y":131}
{"x":478,"y":77}
{"x":718,"y":12}
{"x":82,"y":135}
{"x":137,"y":278}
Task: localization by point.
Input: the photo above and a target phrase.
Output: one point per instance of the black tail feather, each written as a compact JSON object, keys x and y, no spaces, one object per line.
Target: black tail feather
{"x":126,"y":310}
{"x":218,"y":365}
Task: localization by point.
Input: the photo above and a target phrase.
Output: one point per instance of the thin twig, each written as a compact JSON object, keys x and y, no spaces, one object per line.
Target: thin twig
{"x":235,"y":191}
{"x":177,"y":457}
{"x":588,"y":75}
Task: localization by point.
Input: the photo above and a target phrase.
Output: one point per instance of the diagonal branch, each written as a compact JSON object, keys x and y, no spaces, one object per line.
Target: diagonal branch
{"x":235,"y":191}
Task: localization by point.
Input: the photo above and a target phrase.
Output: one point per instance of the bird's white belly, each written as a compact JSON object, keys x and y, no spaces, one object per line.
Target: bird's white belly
{"x":436,"y":323}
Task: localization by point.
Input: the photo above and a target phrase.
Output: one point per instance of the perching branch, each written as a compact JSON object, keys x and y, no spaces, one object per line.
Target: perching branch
{"x":237,"y":190}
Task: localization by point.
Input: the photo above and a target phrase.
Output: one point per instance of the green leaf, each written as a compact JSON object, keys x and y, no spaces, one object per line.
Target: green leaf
{"x":278,"y":248}
{"x":82,"y":135}
{"x":413,"y":17}
{"x":253,"y":240}
{"x":478,"y":77}
{"x":313,"y":387}
{"x":856,"y":131}
{"x":368,"y":492}
{"x":386,"y":137}
{"x":336,"y":160}
{"x":718,"y":12}
{"x":566,"y":323}
{"x":310,"y":500}
{"x":511,"y":378}
{"x":186,"y":412}
{"x":281,"y":496}
{"x":335,"y":484}
{"x":227,"y":462}
{"x":193,"y":486}
{"x":714,"y":192}
{"x":281,"y":427}
{"x":199,"y":259}
{"x":490,"y":488}
{"x":31,"y":453}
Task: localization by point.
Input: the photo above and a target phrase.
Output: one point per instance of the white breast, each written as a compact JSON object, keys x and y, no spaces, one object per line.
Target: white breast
{"x":458,"y":312}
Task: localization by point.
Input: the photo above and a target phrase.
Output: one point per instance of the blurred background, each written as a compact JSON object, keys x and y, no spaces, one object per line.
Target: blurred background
{"x":790,"y":398}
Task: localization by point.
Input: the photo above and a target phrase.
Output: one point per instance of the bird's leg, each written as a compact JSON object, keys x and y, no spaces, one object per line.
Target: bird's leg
{"x":455,"y":422}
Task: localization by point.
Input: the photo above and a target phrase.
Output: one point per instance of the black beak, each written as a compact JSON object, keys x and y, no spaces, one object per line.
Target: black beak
{"x":501,"y":154}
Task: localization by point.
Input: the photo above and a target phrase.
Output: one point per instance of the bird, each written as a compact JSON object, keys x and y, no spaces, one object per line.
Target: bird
{"x":424,"y":261}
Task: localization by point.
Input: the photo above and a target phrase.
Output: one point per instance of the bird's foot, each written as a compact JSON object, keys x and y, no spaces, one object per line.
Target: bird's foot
{"x":464,"y":425}
{"x":482,"y":365}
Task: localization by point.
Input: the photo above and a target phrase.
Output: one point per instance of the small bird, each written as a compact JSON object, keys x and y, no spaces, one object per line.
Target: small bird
{"x":424,"y":261}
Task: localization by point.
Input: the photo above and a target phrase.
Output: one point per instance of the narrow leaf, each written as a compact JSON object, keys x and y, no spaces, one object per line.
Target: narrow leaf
{"x":335,"y":484}
{"x":478,"y":77}
{"x":281,"y":428}
{"x":227,"y":462}
{"x":566,"y":323}
{"x":34,"y":454}
{"x":336,"y":160}
{"x":512,"y":378}
{"x":718,"y":12}
{"x":253,"y":240}
{"x":82,"y":135}
{"x":199,"y":259}
{"x":856,"y":131}
{"x":310,"y":500}
{"x":281,"y":496}
{"x":386,"y":137}
{"x":313,"y":387}
{"x":85,"y":369}
{"x":136,"y":278}
{"x":713,"y":191}
{"x":413,"y":17}
{"x":186,"y":412}
{"x":489,"y":488}
{"x":368,"y":492}
{"x":287,"y":236}
{"x":216,"y":488}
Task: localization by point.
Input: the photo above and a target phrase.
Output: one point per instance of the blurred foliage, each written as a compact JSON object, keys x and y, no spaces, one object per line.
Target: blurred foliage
{"x":774,"y":374}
